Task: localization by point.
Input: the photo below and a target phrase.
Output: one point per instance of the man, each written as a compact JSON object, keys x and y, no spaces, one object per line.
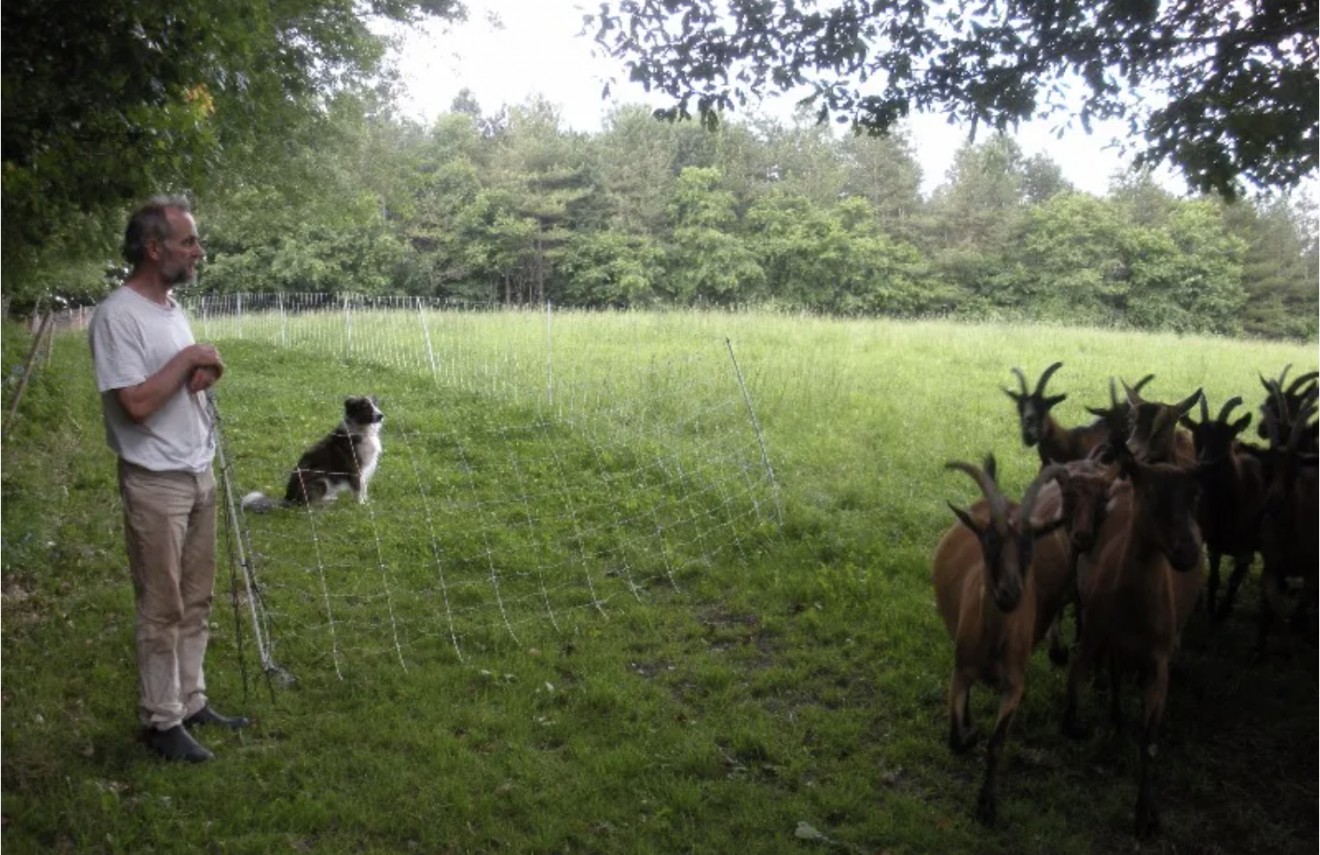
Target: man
{"x":152,"y":377}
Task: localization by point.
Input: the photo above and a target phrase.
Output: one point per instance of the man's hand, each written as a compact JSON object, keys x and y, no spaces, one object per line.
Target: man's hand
{"x":203,"y":378}
{"x":208,"y":367}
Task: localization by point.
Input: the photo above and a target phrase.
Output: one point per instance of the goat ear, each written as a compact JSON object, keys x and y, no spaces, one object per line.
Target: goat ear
{"x":1014,"y":395}
{"x":965,"y":518}
{"x":1187,"y":423}
{"x":1054,"y":400}
{"x":1242,"y":423}
{"x":1047,"y":528}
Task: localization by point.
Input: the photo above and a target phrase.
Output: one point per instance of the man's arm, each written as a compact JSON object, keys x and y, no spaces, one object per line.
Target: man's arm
{"x":142,"y":401}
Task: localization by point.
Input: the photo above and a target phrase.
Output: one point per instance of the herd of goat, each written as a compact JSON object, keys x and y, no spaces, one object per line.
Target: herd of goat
{"x":1117,"y":525}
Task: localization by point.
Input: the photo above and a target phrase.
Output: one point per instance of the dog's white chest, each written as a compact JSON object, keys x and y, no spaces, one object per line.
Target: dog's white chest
{"x":368,"y":451}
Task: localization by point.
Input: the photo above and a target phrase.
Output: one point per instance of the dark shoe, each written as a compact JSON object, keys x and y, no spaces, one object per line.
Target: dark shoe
{"x":177,"y":744}
{"x":206,"y":715}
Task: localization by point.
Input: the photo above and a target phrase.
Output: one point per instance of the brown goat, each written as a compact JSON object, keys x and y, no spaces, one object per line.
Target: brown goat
{"x":981,"y":574}
{"x":1136,"y":597}
{"x":1115,"y":417}
{"x":1079,"y":498}
{"x":1153,"y":435}
{"x":1232,"y":499}
{"x":1054,"y":442}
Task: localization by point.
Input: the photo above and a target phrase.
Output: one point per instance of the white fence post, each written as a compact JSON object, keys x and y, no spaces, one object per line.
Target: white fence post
{"x":426,"y":335}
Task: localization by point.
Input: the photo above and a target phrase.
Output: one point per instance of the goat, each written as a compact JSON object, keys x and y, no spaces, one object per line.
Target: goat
{"x":1136,"y":597}
{"x":1054,"y":443}
{"x":1115,"y":417}
{"x":983,"y":590}
{"x":1232,"y":497}
{"x":1078,"y":497}
{"x":1153,"y":435}
{"x":1288,"y":528}
{"x":1282,"y":405}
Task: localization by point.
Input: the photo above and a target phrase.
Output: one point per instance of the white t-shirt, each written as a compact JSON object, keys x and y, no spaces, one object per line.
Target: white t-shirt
{"x":132,"y":338}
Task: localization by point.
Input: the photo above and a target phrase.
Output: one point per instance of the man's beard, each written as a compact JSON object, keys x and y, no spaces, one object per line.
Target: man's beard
{"x":185,"y":275}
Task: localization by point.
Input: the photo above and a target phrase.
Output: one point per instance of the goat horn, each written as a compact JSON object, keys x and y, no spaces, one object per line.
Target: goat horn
{"x":1133,"y":398}
{"x":1142,"y":382}
{"x":1049,"y":473}
{"x":1113,"y":395}
{"x":1299,"y":380}
{"x":1045,"y":378}
{"x":1205,"y":411}
{"x":1228,"y":407}
{"x":1022,"y":380}
{"x":1274,"y":415}
{"x":1183,"y":407}
{"x":1304,"y":413}
{"x":998,"y":504}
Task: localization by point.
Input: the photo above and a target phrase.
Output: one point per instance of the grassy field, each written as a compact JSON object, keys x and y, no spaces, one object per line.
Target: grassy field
{"x":759,"y":679}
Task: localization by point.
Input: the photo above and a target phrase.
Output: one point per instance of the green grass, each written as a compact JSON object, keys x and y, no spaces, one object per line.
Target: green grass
{"x":750,"y":679}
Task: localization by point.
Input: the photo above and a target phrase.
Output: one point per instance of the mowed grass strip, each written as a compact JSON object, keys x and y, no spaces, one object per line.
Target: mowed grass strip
{"x":800,"y":681}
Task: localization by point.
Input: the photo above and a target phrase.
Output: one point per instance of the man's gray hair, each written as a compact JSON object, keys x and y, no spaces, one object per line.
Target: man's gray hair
{"x":149,"y":223}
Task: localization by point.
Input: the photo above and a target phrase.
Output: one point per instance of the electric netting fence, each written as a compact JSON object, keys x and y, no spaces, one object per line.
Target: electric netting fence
{"x":540,"y":470}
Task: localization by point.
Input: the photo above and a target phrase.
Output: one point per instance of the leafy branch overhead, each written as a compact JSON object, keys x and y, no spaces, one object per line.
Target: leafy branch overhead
{"x":1224,"y":91}
{"x":106,"y":102}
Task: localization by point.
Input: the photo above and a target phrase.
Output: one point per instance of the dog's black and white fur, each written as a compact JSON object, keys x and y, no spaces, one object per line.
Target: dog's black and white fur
{"x":344,"y":460}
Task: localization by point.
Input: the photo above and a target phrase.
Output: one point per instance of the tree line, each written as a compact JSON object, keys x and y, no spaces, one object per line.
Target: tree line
{"x":511,"y":208}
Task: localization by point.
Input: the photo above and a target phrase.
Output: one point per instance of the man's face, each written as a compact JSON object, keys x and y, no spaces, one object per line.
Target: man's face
{"x":181,"y":251}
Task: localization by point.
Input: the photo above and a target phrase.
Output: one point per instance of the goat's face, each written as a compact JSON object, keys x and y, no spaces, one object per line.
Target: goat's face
{"x":1006,"y":555}
{"x":1168,"y":497}
{"x":1213,"y":438}
{"x":1034,"y":407}
{"x":1085,"y":497}
{"x":1003,"y":558}
{"x":1152,"y":427}
{"x":1033,"y":415}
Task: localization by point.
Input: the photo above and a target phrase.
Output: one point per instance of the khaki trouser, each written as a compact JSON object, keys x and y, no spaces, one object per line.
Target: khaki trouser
{"x":169,"y":524}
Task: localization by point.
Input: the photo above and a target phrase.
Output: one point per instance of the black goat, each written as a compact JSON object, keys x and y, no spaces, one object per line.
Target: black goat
{"x":1232,"y":498}
{"x":1054,"y":442}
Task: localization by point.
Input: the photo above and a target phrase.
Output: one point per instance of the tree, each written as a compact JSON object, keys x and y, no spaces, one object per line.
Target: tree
{"x":799,"y":158}
{"x":705,"y":259}
{"x":1074,"y":269}
{"x":1279,"y":266}
{"x":1186,"y":275}
{"x":607,"y":269}
{"x":637,"y":165}
{"x":107,"y":102}
{"x":975,"y":220}
{"x":538,"y":177}
{"x":446,"y":186}
{"x":885,"y":172}
{"x":836,"y":260}
{"x":322,"y":220}
{"x":1238,"y":81}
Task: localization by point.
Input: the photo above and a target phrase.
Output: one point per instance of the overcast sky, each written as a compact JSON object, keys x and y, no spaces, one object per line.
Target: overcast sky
{"x":538,"y":51}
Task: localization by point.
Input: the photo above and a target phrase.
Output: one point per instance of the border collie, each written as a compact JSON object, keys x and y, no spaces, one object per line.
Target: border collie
{"x":344,"y":460}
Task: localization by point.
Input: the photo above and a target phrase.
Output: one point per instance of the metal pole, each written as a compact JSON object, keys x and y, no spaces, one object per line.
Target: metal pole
{"x":263,"y":649}
{"x":760,"y":437}
{"x":549,"y":356}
